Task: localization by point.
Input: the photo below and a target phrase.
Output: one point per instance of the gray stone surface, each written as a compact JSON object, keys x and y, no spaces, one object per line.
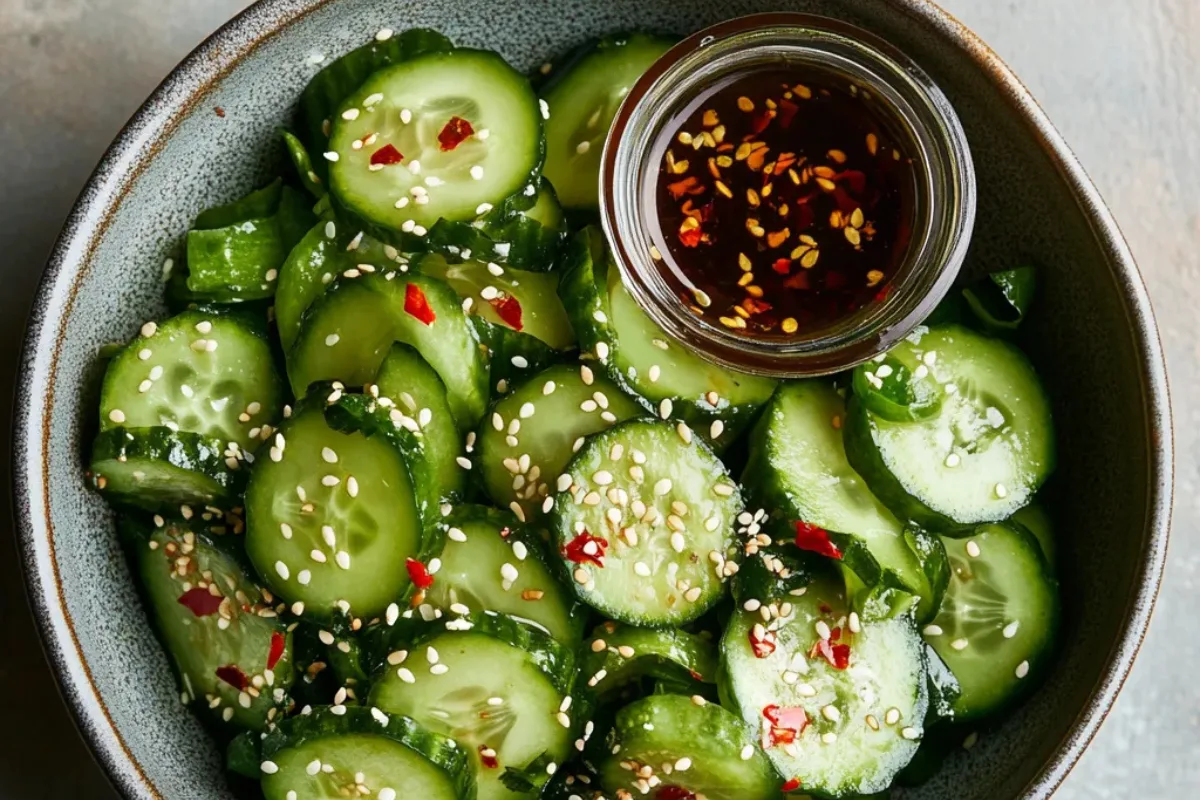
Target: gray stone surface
{"x":1121,"y":79}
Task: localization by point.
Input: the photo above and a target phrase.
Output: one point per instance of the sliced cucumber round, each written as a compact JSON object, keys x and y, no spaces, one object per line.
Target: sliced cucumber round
{"x":338,"y":751}
{"x":701,"y":750}
{"x":644,"y":522}
{"x":841,"y":710}
{"x":331,"y":518}
{"x":529,"y":437}
{"x":583,"y":98}
{"x":997,"y":623}
{"x":617,"y":654}
{"x":204,"y":372}
{"x":416,"y":391}
{"x":490,"y":563}
{"x":529,"y":239}
{"x":981,"y":457}
{"x":347,"y":333}
{"x":498,"y":687}
{"x":518,"y":299}
{"x":798,"y":472}
{"x":158,"y":469}
{"x":232,"y":651}
{"x":449,"y":135}
{"x":1036,"y":519}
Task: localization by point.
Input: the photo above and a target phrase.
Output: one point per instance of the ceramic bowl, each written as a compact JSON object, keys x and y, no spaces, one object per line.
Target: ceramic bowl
{"x":208,"y":134}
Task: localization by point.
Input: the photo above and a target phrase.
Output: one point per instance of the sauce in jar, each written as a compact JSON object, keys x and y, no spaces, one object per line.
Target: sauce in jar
{"x":783,"y":203}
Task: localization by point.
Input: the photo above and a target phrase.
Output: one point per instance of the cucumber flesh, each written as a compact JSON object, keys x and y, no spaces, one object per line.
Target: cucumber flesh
{"x":617,"y":654}
{"x":202,"y":372}
{"x":798,"y":472}
{"x":403,"y":112}
{"x":840,"y":732}
{"x":157,"y":469}
{"x":342,"y":543}
{"x":518,"y":299}
{"x":981,"y":457}
{"x":1036,"y":519}
{"x":566,"y":408}
{"x":490,"y":564}
{"x":703,"y":750}
{"x":349,"y":331}
{"x":232,"y":652}
{"x":664,"y":508}
{"x":583,"y":100}
{"x":998,"y":621}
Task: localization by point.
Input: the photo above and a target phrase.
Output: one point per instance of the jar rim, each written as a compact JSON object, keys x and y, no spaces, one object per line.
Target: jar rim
{"x":945,"y":188}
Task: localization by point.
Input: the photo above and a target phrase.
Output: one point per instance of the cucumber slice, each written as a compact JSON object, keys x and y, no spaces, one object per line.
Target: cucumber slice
{"x":797,"y":471}
{"x":489,"y":563}
{"x":670,"y":380}
{"x":157,"y":469}
{"x":405,"y":112}
{"x":322,"y":545}
{"x":230,"y":648}
{"x":998,"y":619}
{"x":520,"y":300}
{"x":498,"y":687}
{"x":202,"y":372}
{"x":302,"y":162}
{"x":513,"y":357}
{"x":327,"y":90}
{"x":1001,"y":301}
{"x":417,"y":392}
{"x":886,"y":386}
{"x":644,"y":523}
{"x":583,"y":99}
{"x":529,"y":239}
{"x":521,"y":454}
{"x":669,"y":742}
{"x":258,"y":203}
{"x":347,"y":333}
{"x":618,"y":654}
{"x":1036,"y":519}
{"x":981,"y":457}
{"x":338,"y":752}
{"x":840,"y":732}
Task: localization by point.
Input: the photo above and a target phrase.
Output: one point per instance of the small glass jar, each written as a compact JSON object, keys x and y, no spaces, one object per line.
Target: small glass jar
{"x":943,"y":202}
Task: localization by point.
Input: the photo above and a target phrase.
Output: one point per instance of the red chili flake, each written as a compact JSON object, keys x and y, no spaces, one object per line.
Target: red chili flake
{"x":816,"y":540}
{"x":418,"y":573}
{"x":416,"y":304}
{"x":756,"y":306}
{"x":686,"y":186}
{"x":782,"y":265}
{"x":761,"y":120}
{"x":798,"y":281}
{"x":457,"y":131}
{"x":575,"y":549}
{"x":505,"y":532}
{"x":786,"y":723}
{"x":835,"y":280}
{"x":509,"y":310}
{"x":883,"y":293}
{"x":855,"y":179}
{"x":787,"y":112}
{"x":706,"y":211}
{"x":696,"y":675}
{"x":386,"y":155}
{"x":232,"y":675}
{"x":200,"y":602}
{"x":673,"y":793}
{"x":838,"y":655}
{"x":825,"y":608}
{"x":275,"y":652}
{"x":835,"y":634}
{"x":803,"y":216}
{"x":691,"y":237}
{"x":762,"y":647}
{"x":792,"y":785}
{"x":489,"y":761}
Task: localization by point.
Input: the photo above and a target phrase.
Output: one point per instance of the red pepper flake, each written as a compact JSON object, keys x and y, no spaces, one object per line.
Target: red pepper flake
{"x":577,"y":549}
{"x":856,"y":180}
{"x":200,"y":602}
{"x":787,"y":112}
{"x":505,"y":532}
{"x":487,"y":757}
{"x":838,"y":655}
{"x":815,"y":540}
{"x":386,"y":155}
{"x":417,"y":305}
{"x":275,"y":652}
{"x":457,"y":131}
{"x":234,"y":677}
{"x":508,"y":308}
{"x":753,"y":306}
{"x":786,"y":723}
{"x":689,"y":185}
{"x":825,"y":608}
{"x":673,"y":793}
{"x":696,"y":675}
{"x":762,"y":646}
{"x":762,"y":119}
{"x":883,"y":293}
{"x":792,"y":785}
{"x":782,"y":265}
{"x":835,"y":280}
{"x":691,"y":237}
{"x":418,"y":573}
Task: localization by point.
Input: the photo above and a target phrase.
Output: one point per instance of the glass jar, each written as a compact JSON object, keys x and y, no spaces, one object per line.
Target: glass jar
{"x":943,"y":206}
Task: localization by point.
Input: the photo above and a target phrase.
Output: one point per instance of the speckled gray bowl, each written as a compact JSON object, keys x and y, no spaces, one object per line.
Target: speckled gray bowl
{"x":1093,"y":339}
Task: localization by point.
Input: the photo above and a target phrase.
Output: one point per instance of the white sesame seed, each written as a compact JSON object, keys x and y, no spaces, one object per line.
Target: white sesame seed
{"x":1010,"y":630}
{"x":463,"y":462}
{"x":665,"y":408}
{"x":662,"y":486}
{"x":304,"y":577}
{"x":331,"y":155}
{"x":477,"y":172}
{"x":332,"y":339}
{"x":854,"y":624}
{"x":343,"y":559}
{"x":382,"y":36}
{"x":482,"y":209}
{"x":456,"y":534}
{"x":953,"y":460}
{"x":282,"y":570}
{"x":692,"y":594}
{"x":117,"y":415}
{"x":933,"y":630}
{"x":405,"y":674}
{"x":330,"y":230}
{"x":642,"y":568}
{"x":683,"y":764}
{"x":313,"y":767}
{"x":526,"y":411}
{"x":602,"y":350}
{"x":823,"y":629}
{"x":269,"y":767}
{"x":747,"y":752}
{"x":910,"y":733}
{"x":959,"y":644}
{"x":149,"y":329}
{"x":326,"y":637}
{"x":973,"y":549}
{"x":892,"y":716}
{"x":144,"y":354}
{"x":1001,"y":491}
{"x":831,"y":713}
{"x":386,"y":793}
{"x":1022,"y":670}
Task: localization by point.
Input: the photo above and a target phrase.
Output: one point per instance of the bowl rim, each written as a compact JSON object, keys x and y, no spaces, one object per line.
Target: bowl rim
{"x":187,"y":86}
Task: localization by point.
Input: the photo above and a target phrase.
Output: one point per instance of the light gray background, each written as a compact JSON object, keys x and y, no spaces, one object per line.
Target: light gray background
{"x":1120,"y":78}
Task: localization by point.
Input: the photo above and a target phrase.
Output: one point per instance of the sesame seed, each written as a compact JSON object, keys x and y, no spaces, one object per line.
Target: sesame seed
{"x":332,"y":339}
{"x":828,"y":738}
{"x":972,"y":549}
{"x":405,"y":674}
{"x":662,"y":486}
{"x":1001,"y":491}
{"x":562,"y":718}
{"x":692,"y":595}
{"x":601,"y":351}
{"x":1022,"y":670}
{"x":581,"y":576}
{"x":330,"y":230}
{"x":683,"y":764}
{"x":831,"y":713}
{"x":331,"y":155}
{"x":892,"y":716}
{"x":343,"y":559}
{"x":352,"y":486}
{"x":149,"y":329}
{"x":933,"y":630}
{"x":463,"y":462}
{"x":910,"y":733}
{"x":282,"y":569}
{"x":665,"y":407}
{"x":326,"y":637}
{"x":959,"y":644}
{"x":304,"y":577}
{"x":1010,"y":630}
{"x":747,"y":752}
{"x":677,"y":542}
{"x":953,"y":460}
{"x":117,"y":415}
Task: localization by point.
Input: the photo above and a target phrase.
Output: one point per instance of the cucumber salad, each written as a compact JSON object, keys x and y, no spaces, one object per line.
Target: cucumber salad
{"x":423,"y":505}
